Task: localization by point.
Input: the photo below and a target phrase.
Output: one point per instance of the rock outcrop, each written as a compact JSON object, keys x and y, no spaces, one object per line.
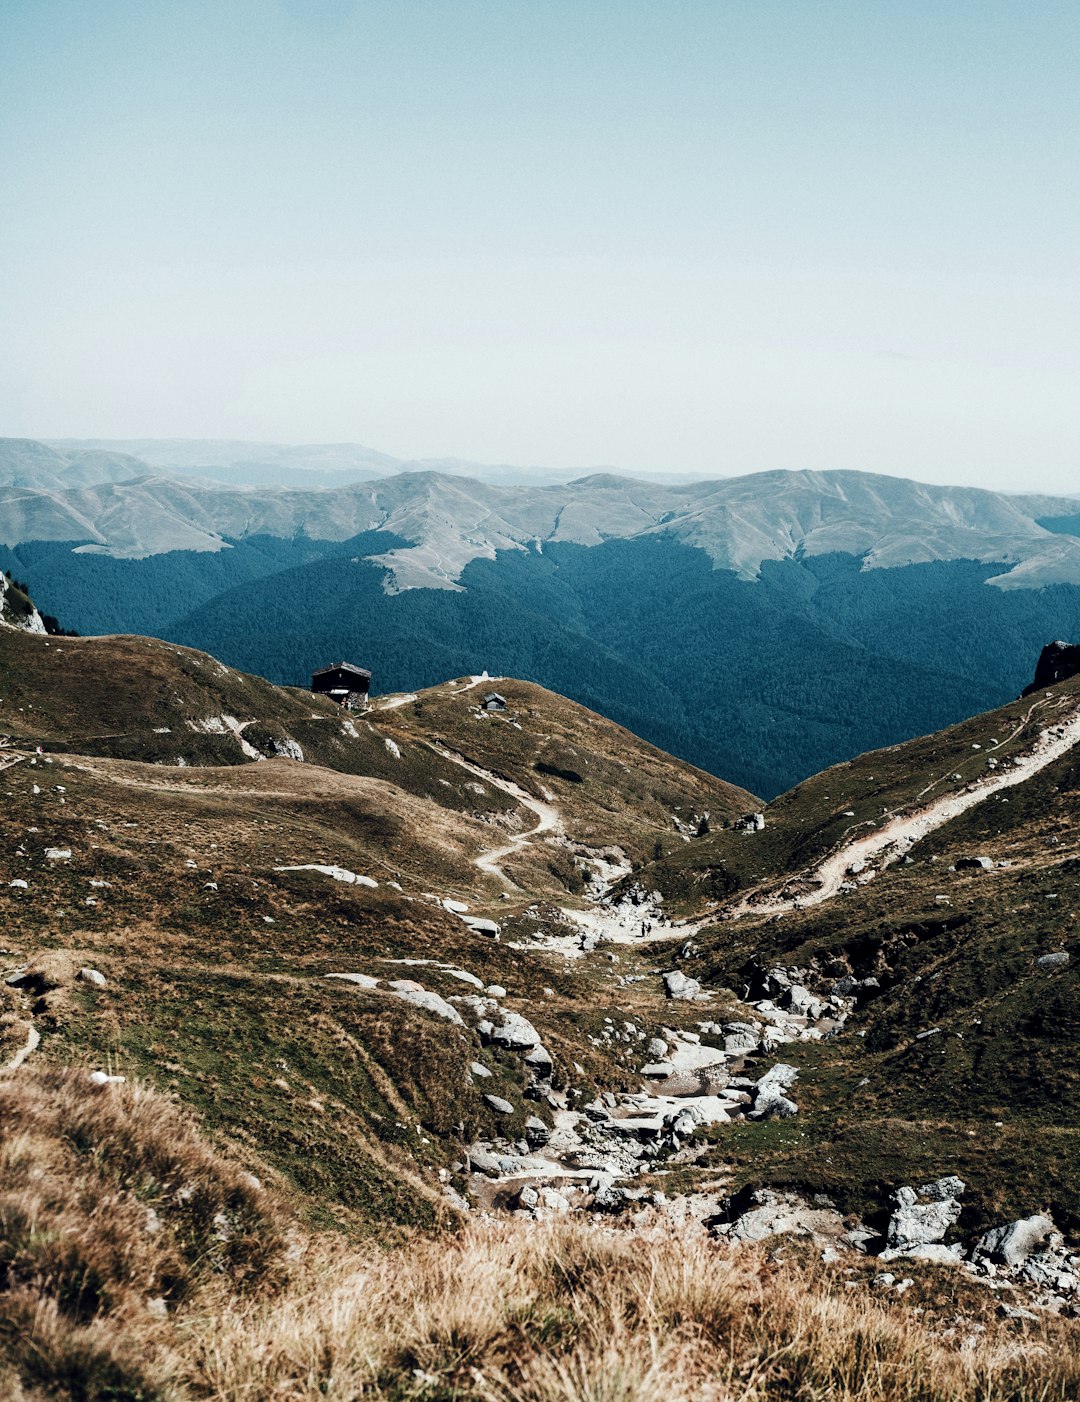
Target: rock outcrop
{"x":1058,"y":662}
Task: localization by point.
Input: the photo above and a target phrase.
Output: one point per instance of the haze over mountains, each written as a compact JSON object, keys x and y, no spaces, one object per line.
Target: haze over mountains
{"x":761,"y":626}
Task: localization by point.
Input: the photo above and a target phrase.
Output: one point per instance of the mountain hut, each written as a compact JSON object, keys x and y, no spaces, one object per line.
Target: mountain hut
{"x":345,"y":683}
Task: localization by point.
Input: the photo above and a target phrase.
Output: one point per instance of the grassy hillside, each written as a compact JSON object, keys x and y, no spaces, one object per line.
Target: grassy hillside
{"x":178,"y":911}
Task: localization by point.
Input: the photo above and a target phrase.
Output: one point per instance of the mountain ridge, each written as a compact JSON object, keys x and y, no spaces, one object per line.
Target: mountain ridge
{"x":450,"y":521}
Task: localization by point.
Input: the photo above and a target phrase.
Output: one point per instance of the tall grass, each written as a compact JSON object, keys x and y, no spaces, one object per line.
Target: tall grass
{"x":136,"y":1264}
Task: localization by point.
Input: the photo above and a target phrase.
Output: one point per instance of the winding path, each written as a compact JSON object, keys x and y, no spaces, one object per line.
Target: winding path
{"x":548,"y":817}
{"x":890,"y":843}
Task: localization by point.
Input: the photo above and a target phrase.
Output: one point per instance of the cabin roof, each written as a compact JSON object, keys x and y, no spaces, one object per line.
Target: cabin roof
{"x":349,"y":667}
{"x":494,"y":696}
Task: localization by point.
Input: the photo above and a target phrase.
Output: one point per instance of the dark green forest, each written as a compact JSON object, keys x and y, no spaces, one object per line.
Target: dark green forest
{"x":761,"y":682}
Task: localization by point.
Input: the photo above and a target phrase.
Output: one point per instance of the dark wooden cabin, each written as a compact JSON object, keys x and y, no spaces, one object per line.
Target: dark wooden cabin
{"x":344,"y":683}
{"x":494,"y":702}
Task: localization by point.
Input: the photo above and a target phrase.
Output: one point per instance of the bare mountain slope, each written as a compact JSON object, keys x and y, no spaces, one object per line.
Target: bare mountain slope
{"x":452,"y":520}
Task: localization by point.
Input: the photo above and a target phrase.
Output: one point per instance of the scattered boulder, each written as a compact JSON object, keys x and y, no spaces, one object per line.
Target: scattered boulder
{"x":1057,"y":960}
{"x":741,"y":1037}
{"x":537,"y":1133}
{"x":499,"y":1105}
{"x":758,"y":1213}
{"x":679,"y":987}
{"x":93,"y":976}
{"x":922,"y":1218}
{"x":482,"y":1160}
{"x":974,"y":864}
{"x":702,"y":1080}
{"x":422,"y":998}
{"x":515,"y":1033}
{"x":361,"y":980}
{"x":1012,"y":1244}
{"x":481,"y":926}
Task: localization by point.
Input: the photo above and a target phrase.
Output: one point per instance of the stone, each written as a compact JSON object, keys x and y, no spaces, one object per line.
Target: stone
{"x":361,"y":980}
{"x":657,"y":1049}
{"x":479,"y":1069}
{"x":1057,"y":662}
{"x":678,"y":986}
{"x":481,"y":926}
{"x":780,"y":1076}
{"x":94,"y":976}
{"x":528,"y":1199}
{"x":756,"y":1214}
{"x":102,"y":1078}
{"x":538,"y":1059}
{"x":1057,"y":960}
{"x":537,"y":1133}
{"x":1011,"y":1245}
{"x":495,"y":990}
{"x":483,"y":1161}
{"x":658,"y":1069}
{"x":701,"y":1080}
{"x":916,"y":1223}
{"x":741,"y":1037}
{"x":974,"y":864}
{"x":428,"y":1002}
{"x":801,"y":1002}
{"x":515,"y":1032}
{"x":942,"y":1189}
{"x":58,"y":854}
{"x":499,"y":1105}
{"x":773,"y":1105}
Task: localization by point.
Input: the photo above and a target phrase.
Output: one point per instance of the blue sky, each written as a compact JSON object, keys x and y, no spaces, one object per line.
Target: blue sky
{"x":667,"y":236}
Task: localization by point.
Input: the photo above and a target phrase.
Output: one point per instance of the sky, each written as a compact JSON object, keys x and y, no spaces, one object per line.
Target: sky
{"x":707,"y":236}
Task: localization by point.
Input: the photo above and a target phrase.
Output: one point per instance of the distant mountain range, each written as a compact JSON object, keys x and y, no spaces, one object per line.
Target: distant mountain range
{"x":762,"y":626}
{"x":238,"y":463}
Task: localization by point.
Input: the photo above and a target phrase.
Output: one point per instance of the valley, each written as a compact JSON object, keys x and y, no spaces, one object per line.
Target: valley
{"x":430,"y":968}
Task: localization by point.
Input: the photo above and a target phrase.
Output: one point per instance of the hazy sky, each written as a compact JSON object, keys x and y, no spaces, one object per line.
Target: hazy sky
{"x":663,"y":235}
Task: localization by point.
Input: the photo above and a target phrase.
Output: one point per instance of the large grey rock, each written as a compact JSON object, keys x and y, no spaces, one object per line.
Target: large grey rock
{"x":427,"y":1001}
{"x":773,"y":1104}
{"x":922,"y":1218}
{"x":1011,"y":1245}
{"x":942,"y":1189}
{"x":1057,"y":960}
{"x":801,"y":1002}
{"x":741,"y":1037}
{"x":515,"y":1032}
{"x":701,"y":1080}
{"x":483,"y":1161}
{"x":537,"y":1133}
{"x":499,"y":1105}
{"x":769,"y":1212}
{"x":679,"y":987}
{"x":778,"y":1077}
{"x":92,"y":976}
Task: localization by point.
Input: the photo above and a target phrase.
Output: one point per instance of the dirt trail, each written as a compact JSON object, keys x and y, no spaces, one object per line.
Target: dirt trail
{"x":890,"y":843}
{"x":548,"y":817}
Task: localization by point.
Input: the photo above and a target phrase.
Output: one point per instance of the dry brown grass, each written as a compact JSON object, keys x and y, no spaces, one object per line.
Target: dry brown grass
{"x":499,"y":1313}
